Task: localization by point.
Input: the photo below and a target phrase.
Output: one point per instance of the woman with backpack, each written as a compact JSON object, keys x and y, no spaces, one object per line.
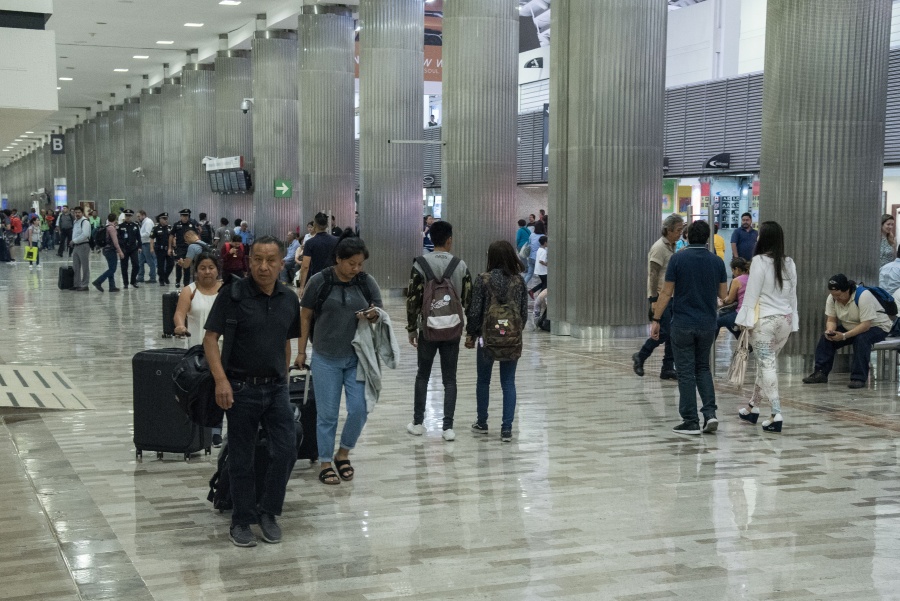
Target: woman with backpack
{"x":495,"y":321}
{"x":338,"y":298}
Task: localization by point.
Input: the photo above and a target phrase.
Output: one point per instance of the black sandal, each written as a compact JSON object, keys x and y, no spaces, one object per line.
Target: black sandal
{"x":345,"y":470}
{"x":329,"y":476}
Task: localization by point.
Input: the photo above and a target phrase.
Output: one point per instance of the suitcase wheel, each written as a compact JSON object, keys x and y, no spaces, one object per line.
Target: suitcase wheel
{"x":159,"y":455}
{"x":208,"y":451}
{"x":187,"y":456}
{"x":138,"y":455}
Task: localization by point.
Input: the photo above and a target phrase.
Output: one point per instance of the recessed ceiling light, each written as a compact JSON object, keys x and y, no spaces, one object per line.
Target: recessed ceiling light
{"x":58,"y":88}
{"x":140,"y":56}
{"x":65,"y":79}
{"x":29,"y":132}
{"x":230,"y":2}
{"x":165,"y":42}
{"x":193,"y":24}
{"x":6,"y":150}
{"x":121,"y":70}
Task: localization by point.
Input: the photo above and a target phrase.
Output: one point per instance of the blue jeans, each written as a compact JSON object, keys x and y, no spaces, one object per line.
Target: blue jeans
{"x":727,"y":321}
{"x":331,"y":374}
{"x":692,"y":348}
{"x":269,"y":405}
{"x":112,"y":261}
{"x":665,"y":327}
{"x":484,"y":367}
{"x":862,"y":349}
{"x":530,"y":273}
{"x":147,"y":258}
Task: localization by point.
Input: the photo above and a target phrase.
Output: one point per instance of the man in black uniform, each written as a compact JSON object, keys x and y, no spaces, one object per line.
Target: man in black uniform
{"x":130,"y":242}
{"x":178,"y":247}
{"x":159,"y":245}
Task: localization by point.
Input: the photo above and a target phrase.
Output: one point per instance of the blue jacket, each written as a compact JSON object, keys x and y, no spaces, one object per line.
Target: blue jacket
{"x":522,"y":237}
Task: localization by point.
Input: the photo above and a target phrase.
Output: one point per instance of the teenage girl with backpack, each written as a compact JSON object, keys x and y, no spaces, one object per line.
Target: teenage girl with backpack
{"x":495,"y":321}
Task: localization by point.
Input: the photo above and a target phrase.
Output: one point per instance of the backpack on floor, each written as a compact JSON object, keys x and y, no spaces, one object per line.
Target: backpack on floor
{"x":220,"y":483}
{"x":884,"y":298}
{"x":502,"y":328}
{"x":442,"y":311}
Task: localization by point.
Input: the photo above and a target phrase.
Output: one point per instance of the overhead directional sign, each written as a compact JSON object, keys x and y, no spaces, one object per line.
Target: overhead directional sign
{"x":57,"y":144}
{"x":283,"y":188}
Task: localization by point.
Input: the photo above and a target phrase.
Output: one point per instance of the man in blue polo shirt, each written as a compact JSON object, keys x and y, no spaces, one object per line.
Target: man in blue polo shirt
{"x":695,"y":277}
{"x":743,"y":240}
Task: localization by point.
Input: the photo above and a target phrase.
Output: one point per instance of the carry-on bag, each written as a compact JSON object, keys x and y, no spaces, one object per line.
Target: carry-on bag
{"x":303,"y":397}
{"x":169,"y":304}
{"x":159,"y":423}
{"x":66,"y":278}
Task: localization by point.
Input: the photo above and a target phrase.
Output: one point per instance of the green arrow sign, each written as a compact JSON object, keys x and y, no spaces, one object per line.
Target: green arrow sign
{"x":283,"y":188}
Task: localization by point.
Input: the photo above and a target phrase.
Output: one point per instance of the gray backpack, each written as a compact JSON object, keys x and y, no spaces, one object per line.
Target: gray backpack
{"x":442,"y":311}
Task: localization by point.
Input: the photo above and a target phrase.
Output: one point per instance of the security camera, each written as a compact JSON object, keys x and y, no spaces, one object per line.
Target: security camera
{"x":246,"y":105}
{"x":137,"y":170}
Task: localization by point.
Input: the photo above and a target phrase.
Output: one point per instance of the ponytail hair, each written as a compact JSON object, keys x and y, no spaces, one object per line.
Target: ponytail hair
{"x":350,"y":245}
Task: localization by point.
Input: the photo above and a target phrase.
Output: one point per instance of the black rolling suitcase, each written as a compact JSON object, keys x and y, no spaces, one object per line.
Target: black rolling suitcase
{"x":159,"y":423}
{"x":66,"y":278}
{"x":303,"y":397}
{"x":169,"y":304}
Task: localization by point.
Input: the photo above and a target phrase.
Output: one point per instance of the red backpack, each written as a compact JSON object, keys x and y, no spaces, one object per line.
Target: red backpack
{"x":442,"y":311}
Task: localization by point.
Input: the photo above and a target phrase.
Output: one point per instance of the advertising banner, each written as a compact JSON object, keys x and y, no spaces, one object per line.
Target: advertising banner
{"x":668,"y":199}
{"x":434,"y":40}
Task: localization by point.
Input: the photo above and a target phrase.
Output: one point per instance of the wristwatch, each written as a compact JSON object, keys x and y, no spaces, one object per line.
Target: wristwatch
{"x":656,"y":319}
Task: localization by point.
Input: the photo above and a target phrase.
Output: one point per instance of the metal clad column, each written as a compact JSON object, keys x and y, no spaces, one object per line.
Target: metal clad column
{"x":481,"y":52}
{"x":326,"y":90}
{"x":79,"y":167}
{"x":274,"y":131}
{"x":116,"y":165}
{"x":104,"y":173}
{"x":199,"y":83}
{"x":606,"y":161}
{"x":823,"y":142}
{"x":133,"y":191}
{"x":71,"y":155}
{"x":391,"y":89}
{"x":90,"y":160}
{"x":151,"y":161}
{"x":173,"y":196}
{"x":234,"y":129}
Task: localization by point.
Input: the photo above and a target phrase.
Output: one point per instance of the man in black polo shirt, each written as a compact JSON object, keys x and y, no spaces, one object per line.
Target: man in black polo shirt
{"x":178,"y":246}
{"x":253,"y":389}
{"x":318,"y":252}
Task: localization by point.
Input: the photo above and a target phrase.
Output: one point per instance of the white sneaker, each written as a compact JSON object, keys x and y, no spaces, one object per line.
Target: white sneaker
{"x":40,"y":266}
{"x":415,"y":429}
{"x":31,"y":268}
{"x":449,"y":435}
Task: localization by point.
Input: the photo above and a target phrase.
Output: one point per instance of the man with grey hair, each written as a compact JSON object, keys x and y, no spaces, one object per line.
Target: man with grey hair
{"x":657,"y":261}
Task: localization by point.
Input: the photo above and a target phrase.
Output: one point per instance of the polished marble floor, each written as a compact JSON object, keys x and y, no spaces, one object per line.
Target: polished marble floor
{"x":595,"y":498}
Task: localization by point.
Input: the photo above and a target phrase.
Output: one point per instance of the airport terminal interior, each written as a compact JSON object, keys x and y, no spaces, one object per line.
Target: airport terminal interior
{"x":388,"y":116}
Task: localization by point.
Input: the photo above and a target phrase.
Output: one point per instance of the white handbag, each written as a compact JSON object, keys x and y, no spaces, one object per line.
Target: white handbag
{"x":739,"y":359}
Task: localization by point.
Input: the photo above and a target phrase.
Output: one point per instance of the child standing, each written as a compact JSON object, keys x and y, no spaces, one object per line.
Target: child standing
{"x":33,"y":237}
{"x":540,"y":267}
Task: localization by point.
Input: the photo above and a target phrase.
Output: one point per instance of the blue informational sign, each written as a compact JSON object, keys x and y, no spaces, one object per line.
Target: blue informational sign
{"x":60,"y":196}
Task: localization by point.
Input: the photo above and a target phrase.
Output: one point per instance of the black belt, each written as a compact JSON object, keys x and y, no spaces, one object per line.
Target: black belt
{"x":256,"y":380}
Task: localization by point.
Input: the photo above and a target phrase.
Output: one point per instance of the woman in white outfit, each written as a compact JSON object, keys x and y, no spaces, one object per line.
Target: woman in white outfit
{"x":770,"y":309}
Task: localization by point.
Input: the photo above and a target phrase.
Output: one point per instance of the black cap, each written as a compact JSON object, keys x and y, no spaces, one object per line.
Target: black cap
{"x":129,"y":212}
{"x":185,"y":212}
{"x":162,"y":216}
{"x":840,"y":282}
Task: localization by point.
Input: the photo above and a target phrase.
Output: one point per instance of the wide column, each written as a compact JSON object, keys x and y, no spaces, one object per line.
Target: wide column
{"x":134,"y":184}
{"x":606,"y":157}
{"x":823,"y":143}
{"x":90,"y":160}
{"x":116,"y":165}
{"x":152,"y":149}
{"x":234,"y":129}
{"x":104,"y":172}
{"x":481,"y":51}
{"x":326,"y":84}
{"x":199,"y":84}
{"x":391,"y":88}
{"x":172,"y":184}
{"x":72,"y":175}
{"x":274,"y":111}
{"x":76,"y":193}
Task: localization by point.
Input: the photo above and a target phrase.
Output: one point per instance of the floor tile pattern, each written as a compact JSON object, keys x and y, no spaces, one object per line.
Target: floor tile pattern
{"x":595,"y":498}
{"x":39,"y":387}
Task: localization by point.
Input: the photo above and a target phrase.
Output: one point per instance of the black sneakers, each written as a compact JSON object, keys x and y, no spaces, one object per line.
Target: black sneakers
{"x":856,"y":384}
{"x":668,"y":374}
{"x":817,"y":377}
{"x":242,"y":536}
{"x":710,"y":426}
{"x":480,"y":428}
{"x":687,"y":428}
{"x":271,"y":531}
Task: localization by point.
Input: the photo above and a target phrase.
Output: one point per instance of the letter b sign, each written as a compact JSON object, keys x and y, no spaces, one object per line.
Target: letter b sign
{"x":57,"y":144}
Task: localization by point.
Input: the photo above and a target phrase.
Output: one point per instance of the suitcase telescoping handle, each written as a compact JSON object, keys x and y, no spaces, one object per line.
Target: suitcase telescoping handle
{"x":305,"y":371}
{"x":187,"y":339}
